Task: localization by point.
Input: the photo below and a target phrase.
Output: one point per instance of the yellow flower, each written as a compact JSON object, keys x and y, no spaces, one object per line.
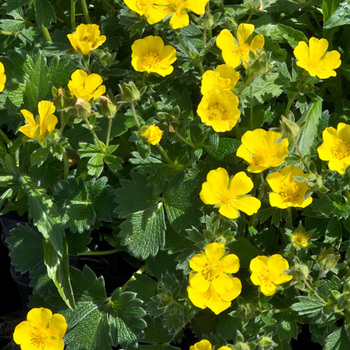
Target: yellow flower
{"x":229,"y":194}
{"x":212,"y":299}
{"x":177,"y":9}
{"x":300,"y":238}
{"x":41,"y":331}
{"x":268,"y":273}
{"x":2,"y":77}
{"x":336,"y":147}
{"x":262,"y":149}
{"x":234,"y":52}
{"x":224,"y":78}
{"x":206,"y":345}
{"x":151,"y":56}
{"x":153,"y":134}
{"x":287,"y":191}
{"x":84,"y":86}
{"x":219,"y":109}
{"x":86,"y":38}
{"x":139,"y":6}
{"x":315,"y":60}
{"x":213,"y":269}
{"x":44,"y":125}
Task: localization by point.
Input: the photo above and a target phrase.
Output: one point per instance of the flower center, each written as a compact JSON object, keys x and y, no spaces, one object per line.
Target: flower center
{"x":242,"y":49}
{"x":224,"y":83}
{"x":264,"y":279}
{"x":290,"y":193}
{"x":300,"y":240}
{"x":142,"y":5}
{"x":261,"y":160}
{"x":215,"y":111}
{"x":38,"y":339}
{"x":341,"y":149}
{"x":150,"y":60}
{"x":212,"y":270}
{"x":175,"y":5}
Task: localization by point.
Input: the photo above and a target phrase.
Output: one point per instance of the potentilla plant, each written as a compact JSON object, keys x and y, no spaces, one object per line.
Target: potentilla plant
{"x":179,"y":170}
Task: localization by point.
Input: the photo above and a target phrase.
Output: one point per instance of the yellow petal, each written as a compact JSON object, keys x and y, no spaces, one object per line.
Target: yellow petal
{"x":229,"y":211}
{"x":234,"y":292}
{"x":28,"y":116}
{"x":225,"y":41}
{"x":317,"y":48}
{"x":240,"y":184}
{"x":198,"y":299}
{"x":244,"y":31}
{"x":257,"y":43}
{"x":198,"y":262}
{"x":198,"y":282}
{"x":259,"y":264}
{"x":301,"y":51}
{"x":230,"y":263}
{"x":214,"y":251}
{"x":202,"y":345}
{"x":249,"y":205}
{"x":179,"y":20}
{"x":222,"y":283}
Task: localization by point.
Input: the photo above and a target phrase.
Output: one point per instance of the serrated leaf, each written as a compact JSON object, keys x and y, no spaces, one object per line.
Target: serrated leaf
{"x":82,"y":203}
{"x":144,"y":286}
{"x":97,"y":322}
{"x":37,"y":85}
{"x":44,"y":213}
{"x":38,"y":157}
{"x":307,"y":305}
{"x":338,"y":340}
{"x":227,"y":147}
{"x":340,"y":17}
{"x":24,"y":239}
{"x":134,"y":195}
{"x":308,"y":133}
{"x":287,"y":327}
{"x":182,"y":202}
{"x":125,"y":319}
{"x":143,"y":232}
{"x":44,"y":13}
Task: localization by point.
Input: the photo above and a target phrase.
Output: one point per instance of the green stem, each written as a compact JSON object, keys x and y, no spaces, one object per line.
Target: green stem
{"x":246,"y":83}
{"x":86,"y":59}
{"x":66,"y":165}
{"x":91,"y":128}
{"x":135,"y":115}
{"x":204,"y":138}
{"x":86,"y":12}
{"x":289,"y":104}
{"x":3,"y":32}
{"x":315,"y":293}
{"x":140,"y":271}
{"x":216,"y":224}
{"x":184,"y":46}
{"x":251,"y":119}
{"x":46,"y":33}
{"x":184,"y":140}
{"x":300,"y":155}
{"x":109,"y":131}
{"x":6,"y":139}
{"x":166,"y":157}
{"x":72,"y":15}
{"x":102,"y":252}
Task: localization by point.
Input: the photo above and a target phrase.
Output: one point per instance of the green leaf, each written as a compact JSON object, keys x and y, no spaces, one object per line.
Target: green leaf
{"x":58,"y":270}
{"x":125,"y":319}
{"x":308,"y":133}
{"x":97,"y":322}
{"x":144,"y":231}
{"x":287,"y":327}
{"x":328,"y":8}
{"x":338,"y":340}
{"x":282,"y":33}
{"x":44,"y":213}
{"x":340,"y":17}
{"x":83,"y":203}
{"x":227,"y":147}
{"x":44,"y":13}
{"x":38,"y":85}
{"x":134,"y":195}
{"x":245,"y":251}
{"x":14,"y":4}
{"x":38,"y":157}
{"x":307,"y":305}
{"x":98,"y":154}
{"x":182,"y":202}
{"x":24,"y":239}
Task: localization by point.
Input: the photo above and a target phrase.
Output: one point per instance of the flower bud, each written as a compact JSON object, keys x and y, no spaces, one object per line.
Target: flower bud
{"x":300,"y":272}
{"x":266,"y":343}
{"x":290,"y":129}
{"x":108,"y":108}
{"x":83,"y":108}
{"x":129,"y":92}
